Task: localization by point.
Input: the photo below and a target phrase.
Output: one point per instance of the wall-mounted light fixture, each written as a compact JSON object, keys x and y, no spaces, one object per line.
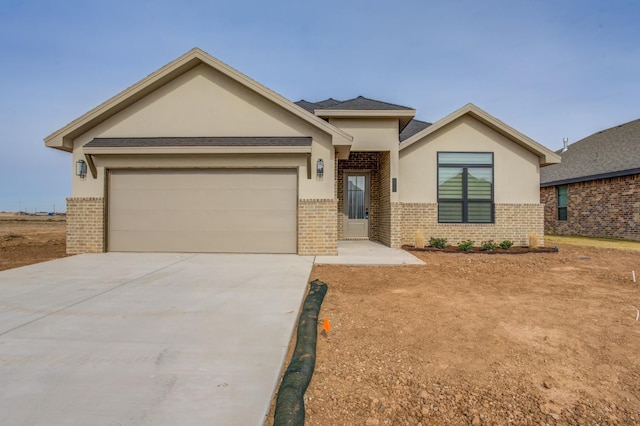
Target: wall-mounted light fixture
{"x":81,"y":168}
{"x":320,"y":168}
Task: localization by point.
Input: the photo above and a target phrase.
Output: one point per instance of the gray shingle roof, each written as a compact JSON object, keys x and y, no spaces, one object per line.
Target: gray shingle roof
{"x":309,"y":106}
{"x":327,"y":103}
{"x":412,"y":128}
{"x":362,"y":103}
{"x":312,"y":106}
{"x":355,"y":104}
{"x":199,"y":141}
{"x":607,"y":153}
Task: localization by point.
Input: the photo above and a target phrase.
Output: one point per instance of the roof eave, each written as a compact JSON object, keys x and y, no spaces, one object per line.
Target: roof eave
{"x":59,"y":143}
{"x":608,"y":175}
{"x":404,"y":116}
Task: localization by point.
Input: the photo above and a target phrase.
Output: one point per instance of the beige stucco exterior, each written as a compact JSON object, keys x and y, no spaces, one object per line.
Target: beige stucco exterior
{"x":204,"y":102}
{"x":198,"y":96}
{"x":370,"y":134}
{"x":374,"y":134}
{"x":516,"y":170}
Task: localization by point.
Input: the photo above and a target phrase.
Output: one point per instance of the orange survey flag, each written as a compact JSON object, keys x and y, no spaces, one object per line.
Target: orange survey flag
{"x":326,"y":325}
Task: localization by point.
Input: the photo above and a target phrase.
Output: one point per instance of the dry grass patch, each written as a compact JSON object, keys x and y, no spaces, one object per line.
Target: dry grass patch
{"x":575,"y":240}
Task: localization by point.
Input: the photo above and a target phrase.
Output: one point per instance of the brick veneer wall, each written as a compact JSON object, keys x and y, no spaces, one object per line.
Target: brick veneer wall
{"x":384,"y":198}
{"x":317,"y":227}
{"x":397,"y":218}
{"x":597,"y":208}
{"x":85,"y":225}
{"x":365,"y":161}
{"x":512,"y":222}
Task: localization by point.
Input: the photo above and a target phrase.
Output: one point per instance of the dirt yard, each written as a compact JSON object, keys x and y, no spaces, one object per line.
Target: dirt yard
{"x":481,"y":339}
{"x":466,"y":339}
{"x":30,"y":239}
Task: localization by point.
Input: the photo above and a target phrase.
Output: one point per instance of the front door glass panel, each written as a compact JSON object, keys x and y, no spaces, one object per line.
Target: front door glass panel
{"x":356,"y":196}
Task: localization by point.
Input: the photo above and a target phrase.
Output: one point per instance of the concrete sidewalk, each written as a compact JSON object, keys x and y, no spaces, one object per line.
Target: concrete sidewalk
{"x":140,"y":338}
{"x":365,"y":252}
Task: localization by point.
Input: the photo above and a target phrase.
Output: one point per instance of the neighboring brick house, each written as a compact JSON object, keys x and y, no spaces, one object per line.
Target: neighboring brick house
{"x":198,"y":157}
{"x":595,"y":190}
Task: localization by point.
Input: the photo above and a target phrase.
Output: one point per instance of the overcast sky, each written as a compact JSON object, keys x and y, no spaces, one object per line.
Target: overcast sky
{"x":551,"y":69}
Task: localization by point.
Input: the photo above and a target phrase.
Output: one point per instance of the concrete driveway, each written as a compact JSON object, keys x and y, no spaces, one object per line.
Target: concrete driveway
{"x":162,"y":339}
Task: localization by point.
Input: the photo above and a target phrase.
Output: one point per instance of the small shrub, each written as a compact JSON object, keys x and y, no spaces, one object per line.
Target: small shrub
{"x":466,"y":245}
{"x":506,"y":244}
{"x":534,"y":240}
{"x":489,"y":245}
{"x":438,"y":243}
{"x":419,"y":243}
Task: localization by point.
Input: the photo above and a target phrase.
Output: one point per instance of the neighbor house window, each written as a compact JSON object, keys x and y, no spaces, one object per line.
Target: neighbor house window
{"x":465,"y":187}
{"x":562,"y":202}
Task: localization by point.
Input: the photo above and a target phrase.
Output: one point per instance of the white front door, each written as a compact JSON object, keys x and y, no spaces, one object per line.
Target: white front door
{"x":356,"y":205}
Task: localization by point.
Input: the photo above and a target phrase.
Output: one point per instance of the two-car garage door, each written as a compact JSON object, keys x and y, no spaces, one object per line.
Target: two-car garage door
{"x":203,"y":210}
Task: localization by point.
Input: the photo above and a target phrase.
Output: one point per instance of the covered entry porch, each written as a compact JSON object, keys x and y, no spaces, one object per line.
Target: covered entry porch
{"x":363,"y":191}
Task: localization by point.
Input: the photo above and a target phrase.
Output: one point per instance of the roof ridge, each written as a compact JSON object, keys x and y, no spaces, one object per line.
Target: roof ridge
{"x":377,"y":104}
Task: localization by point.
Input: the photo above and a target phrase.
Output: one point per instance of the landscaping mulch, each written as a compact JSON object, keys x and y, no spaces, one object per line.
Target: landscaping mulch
{"x":476,"y":250}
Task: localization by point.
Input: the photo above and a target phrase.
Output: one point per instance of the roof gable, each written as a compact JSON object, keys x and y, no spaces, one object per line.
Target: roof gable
{"x":63,"y":138}
{"x":607,"y":153}
{"x":545,"y":155}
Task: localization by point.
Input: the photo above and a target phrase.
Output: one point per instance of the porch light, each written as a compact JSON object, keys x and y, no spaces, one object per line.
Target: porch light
{"x":81,"y":168}
{"x":320,"y":168}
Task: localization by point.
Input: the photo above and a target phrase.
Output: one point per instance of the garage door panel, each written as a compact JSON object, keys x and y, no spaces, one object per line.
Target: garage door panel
{"x":204,"y":241}
{"x":204,"y":220}
{"x":201,"y":199}
{"x":245,"y":210}
{"x":196,"y":179}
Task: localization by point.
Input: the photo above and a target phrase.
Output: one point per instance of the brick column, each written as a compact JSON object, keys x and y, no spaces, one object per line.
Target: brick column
{"x":85,"y":225}
{"x":317,"y":227}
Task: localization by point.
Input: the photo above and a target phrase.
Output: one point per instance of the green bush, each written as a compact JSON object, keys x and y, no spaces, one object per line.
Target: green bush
{"x":506,"y":244}
{"x":466,"y":245}
{"x":438,"y":243}
{"x":489,"y":245}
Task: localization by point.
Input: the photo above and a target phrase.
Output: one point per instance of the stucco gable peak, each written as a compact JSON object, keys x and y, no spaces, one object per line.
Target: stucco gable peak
{"x":546,"y":155}
{"x":63,"y":138}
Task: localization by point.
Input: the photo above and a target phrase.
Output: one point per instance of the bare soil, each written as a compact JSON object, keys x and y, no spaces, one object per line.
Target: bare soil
{"x":546,"y":338}
{"x":27,"y":240}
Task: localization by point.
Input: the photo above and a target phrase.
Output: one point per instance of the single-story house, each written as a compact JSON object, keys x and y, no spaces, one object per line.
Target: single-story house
{"x":198,"y":157}
{"x":595,"y":191}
